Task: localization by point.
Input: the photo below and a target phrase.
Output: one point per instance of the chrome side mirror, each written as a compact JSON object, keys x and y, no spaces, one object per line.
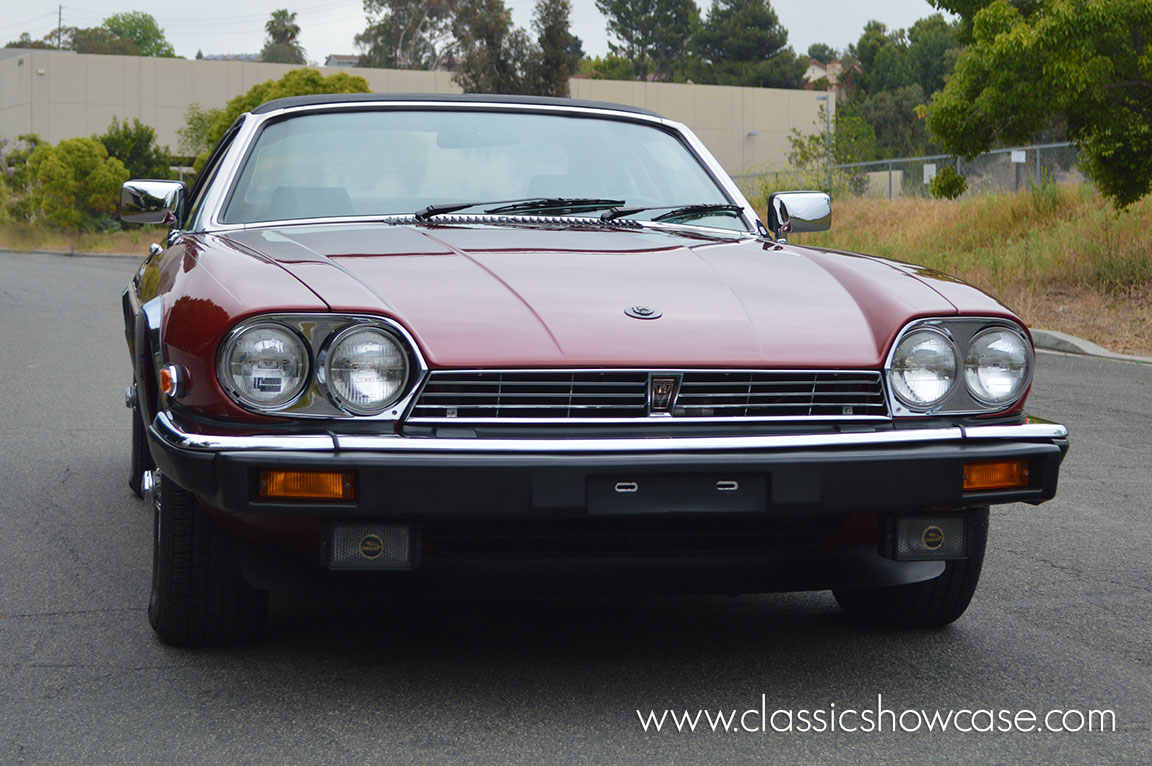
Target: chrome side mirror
{"x":158,"y":202}
{"x":798,"y":212}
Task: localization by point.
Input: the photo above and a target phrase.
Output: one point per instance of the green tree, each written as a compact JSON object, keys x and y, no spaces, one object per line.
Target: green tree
{"x":407,"y":34}
{"x":192,"y":139}
{"x":493,"y":56}
{"x":900,"y":131}
{"x":282,"y":45}
{"x":610,"y":67}
{"x":25,"y":41}
{"x":891,"y":68}
{"x":872,"y":39}
{"x":142,"y":29}
{"x":1088,"y":63}
{"x":743,"y":43}
{"x":575,"y":53}
{"x":651,"y":34}
{"x":967,"y":10}
{"x":555,"y":40}
{"x":100,"y":40}
{"x":135,"y":145}
{"x":932,"y":51}
{"x":852,"y":140}
{"x":822,"y":52}
{"x":78,"y":183}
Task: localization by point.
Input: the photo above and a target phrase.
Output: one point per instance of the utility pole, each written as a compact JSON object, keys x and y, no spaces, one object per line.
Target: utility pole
{"x":59,"y":26}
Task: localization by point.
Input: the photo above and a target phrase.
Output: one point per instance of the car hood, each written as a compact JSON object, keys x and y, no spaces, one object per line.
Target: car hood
{"x":495,"y":296}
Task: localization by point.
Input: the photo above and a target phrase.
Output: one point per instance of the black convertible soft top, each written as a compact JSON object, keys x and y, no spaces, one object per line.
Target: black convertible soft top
{"x":465,"y":98}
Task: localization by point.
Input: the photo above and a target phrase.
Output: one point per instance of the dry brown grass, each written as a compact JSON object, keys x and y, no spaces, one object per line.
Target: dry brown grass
{"x":1059,"y":256}
{"x":23,"y":236}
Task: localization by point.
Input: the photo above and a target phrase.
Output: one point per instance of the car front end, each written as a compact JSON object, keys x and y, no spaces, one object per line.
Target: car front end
{"x":596,"y":390}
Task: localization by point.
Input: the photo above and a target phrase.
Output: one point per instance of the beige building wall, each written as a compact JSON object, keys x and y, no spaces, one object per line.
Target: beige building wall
{"x":61,"y":95}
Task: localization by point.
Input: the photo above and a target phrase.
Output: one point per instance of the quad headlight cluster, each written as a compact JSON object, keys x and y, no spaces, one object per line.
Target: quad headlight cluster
{"x":961,"y":365}
{"x":316,"y":365}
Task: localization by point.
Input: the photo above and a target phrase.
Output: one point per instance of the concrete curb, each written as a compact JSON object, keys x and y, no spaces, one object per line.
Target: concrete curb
{"x":1051,"y":340}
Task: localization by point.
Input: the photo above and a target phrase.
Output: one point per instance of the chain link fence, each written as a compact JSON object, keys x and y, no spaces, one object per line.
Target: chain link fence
{"x":1002,"y":170}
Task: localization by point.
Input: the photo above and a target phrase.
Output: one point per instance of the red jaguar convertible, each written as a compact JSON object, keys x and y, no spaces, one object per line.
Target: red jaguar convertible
{"x":490,"y":345}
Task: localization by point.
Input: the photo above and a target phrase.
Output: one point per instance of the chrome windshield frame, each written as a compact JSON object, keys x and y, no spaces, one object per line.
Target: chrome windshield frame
{"x":208,"y":214}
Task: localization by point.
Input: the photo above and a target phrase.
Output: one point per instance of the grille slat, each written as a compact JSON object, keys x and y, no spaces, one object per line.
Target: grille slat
{"x":623,"y":395}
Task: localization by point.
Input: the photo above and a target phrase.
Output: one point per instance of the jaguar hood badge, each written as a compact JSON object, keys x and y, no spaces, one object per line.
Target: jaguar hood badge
{"x":644,"y":312}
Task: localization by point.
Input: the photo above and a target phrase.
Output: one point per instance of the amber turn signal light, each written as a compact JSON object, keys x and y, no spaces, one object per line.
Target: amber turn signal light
{"x":307,"y":485}
{"x":1000,"y":474}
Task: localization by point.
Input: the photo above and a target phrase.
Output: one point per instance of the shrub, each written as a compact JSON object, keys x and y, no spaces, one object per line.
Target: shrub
{"x":77,"y":183}
{"x":135,"y":145}
{"x":18,"y":204}
{"x":948,"y":184}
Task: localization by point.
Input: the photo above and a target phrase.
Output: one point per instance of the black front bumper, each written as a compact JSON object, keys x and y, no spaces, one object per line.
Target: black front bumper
{"x":836,"y":491}
{"x":526,"y":481}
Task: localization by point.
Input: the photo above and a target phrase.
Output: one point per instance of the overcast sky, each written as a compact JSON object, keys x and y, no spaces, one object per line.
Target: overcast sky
{"x":328,"y":26}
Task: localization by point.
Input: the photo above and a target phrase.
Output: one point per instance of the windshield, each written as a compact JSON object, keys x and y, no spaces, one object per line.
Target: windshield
{"x":368,"y":163}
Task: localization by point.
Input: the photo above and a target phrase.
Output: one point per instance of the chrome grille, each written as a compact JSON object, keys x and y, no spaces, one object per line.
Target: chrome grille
{"x":781,"y":394}
{"x":623,"y":395}
{"x":520,"y":395}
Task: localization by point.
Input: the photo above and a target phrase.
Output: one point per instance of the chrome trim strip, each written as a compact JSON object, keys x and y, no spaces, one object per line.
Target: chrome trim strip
{"x":167,"y":430}
{"x":656,"y":419}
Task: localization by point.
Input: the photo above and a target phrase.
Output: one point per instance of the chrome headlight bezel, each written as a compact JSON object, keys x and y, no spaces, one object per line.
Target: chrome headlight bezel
{"x":1024,"y":382}
{"x":961,"y":399}
{"x":893,"y":377}
{"x":236,"y":390}
{"x":329,"y":354}
{"x":317,"y":331}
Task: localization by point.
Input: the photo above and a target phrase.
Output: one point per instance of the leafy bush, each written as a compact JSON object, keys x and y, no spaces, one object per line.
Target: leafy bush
{"x":18,"y":177}
{"x":948,"y":184}
{"x":78,"y":184}
{"x":135,"y":145}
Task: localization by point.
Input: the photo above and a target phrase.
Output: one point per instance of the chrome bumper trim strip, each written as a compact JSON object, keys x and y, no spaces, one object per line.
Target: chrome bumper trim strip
{"x":173,"y":435}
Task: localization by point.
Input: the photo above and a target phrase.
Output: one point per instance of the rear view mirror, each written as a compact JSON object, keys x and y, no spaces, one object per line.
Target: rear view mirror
{"x":798,"y":212}
{"x":152,"y":201}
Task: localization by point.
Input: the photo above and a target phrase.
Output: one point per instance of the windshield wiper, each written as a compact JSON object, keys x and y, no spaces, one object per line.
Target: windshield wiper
{"x":528,"y":204}
{"x":575,"y":205}
{"x":676,"y":212}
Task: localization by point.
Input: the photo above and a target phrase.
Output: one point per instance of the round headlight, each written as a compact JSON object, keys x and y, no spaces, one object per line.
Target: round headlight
{"x":264,"y":366}
{"x":924,"y":368}
{"x":998,"y":366}
{"x":366,"y":369}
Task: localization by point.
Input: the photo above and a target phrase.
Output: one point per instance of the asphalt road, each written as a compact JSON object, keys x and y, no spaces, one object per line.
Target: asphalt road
{"x":1060,"y":621}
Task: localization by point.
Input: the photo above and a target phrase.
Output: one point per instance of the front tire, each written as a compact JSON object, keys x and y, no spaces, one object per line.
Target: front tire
{"x":929,"y":604}
{"x":199,"y":595}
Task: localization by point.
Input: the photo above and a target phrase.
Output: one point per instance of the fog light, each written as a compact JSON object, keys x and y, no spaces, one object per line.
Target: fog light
{"x":1002,"y":474}
{"x":307,"y":485}
{"x":924,"y":538}
{"x":370,"y":546}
